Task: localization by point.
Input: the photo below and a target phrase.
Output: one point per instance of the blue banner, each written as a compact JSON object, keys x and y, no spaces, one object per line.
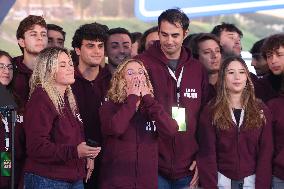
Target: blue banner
{"x":5,"y":6}
{"x":149,"y":10}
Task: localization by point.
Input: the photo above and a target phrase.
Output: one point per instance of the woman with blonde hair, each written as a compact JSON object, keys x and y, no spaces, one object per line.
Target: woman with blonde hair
{"x":235,"y":133}
{"x":132,"y":121}
{"x":56,"y":151}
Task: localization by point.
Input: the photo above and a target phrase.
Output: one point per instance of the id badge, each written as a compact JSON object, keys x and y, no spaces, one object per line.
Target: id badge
{"x":6,"y":164}
{"x":178,"y":114}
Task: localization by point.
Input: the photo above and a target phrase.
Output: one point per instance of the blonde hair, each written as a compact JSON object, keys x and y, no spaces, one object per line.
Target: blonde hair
{"x":222,"y":119}
{"x":44,"y":76}
{"x":117,"y":92}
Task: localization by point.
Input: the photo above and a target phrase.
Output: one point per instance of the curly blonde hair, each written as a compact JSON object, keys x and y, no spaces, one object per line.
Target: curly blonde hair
{"x":44,"y":76}
{"x":117,"y":92}
{"x":222,"y":119}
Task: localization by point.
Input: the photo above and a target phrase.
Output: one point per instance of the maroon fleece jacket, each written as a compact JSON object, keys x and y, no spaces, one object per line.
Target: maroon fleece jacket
{"x":21,"y":80}
{"x":177,"y":153}
{"x":52,"y":139}
{"x":234,"y":152}
{"x":89,"y":96}
{"x":276,"y":106}
{"x":130,"y":154}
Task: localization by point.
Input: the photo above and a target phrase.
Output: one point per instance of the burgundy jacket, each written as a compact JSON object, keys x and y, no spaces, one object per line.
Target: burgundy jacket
{"x":130,"y":154}
{"x":276,"y":106}
{"x":234,"y":152}
{"x":89,"y":96}
{"x":267,"y":87}
{"x":52,"y":140}
{"x":177,"y":153}
{"x":21,"y":80}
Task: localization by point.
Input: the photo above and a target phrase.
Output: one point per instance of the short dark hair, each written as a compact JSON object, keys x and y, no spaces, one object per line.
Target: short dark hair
{"x":56,"y":28}
{"x":226,"y":27}
{"x":174,"y":16}
{"x":93,"y":31}
{"x":136,"y":36}
{"x":119,"y":30}
{"x":144,"y":36}
{"x":198,"y":38}
{"x":4,"y":53}
{"x":187,"y":42}
{"x":272,"y":43}
{"x":256,"y":49}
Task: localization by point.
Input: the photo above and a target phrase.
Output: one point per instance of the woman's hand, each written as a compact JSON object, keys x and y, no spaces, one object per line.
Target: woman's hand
{"x":85,"y":151}
{"x":90,"y":168}
{"x":134,"y":87}
{"x":144,"y":88}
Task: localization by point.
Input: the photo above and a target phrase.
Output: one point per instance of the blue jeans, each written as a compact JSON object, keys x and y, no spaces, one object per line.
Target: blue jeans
{"x":277,"y":183}
{"x":32,"y":181}
{"x":182,"y":183}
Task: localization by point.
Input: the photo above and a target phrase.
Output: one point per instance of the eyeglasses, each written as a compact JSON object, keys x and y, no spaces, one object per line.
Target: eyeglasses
{"x":10,"y":67}
{"x":131,"y":72}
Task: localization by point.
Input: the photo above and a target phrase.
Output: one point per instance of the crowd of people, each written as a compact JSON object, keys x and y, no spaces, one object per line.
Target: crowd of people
{"x":166,"y":109}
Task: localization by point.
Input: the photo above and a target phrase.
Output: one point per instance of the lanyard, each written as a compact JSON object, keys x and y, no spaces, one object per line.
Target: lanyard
{"x":6,"y":132}
{"x":178,"y":82}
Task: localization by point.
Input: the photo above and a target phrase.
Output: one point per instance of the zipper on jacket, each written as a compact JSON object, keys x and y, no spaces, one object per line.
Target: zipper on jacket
{"x":238,"y":151}
{"x":173,"y":158}
{"x":137,"y":148}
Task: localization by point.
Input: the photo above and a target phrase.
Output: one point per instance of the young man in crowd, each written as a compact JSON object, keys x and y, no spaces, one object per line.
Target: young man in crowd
{"x":91,"y":82}
{"x":230,"y":38}
{"x":118,"y":47}
{"x":180,"y":84}
{"x":56,"y":36}
{"x":32,"y":38}
{"x":258,"y":61}
{"x":207,"y":49}
{"x":273,"y":52}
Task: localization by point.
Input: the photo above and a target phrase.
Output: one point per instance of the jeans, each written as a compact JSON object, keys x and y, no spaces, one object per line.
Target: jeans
{"x":32,"y":181}
{"x":277,"y":183}
{"x":182,"y":183}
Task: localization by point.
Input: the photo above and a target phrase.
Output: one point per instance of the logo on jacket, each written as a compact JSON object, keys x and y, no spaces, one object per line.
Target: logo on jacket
{"x":20,"y":119}
{"x":150,"y":126}
{"x":190,"y":93}
{"x":79,"y":117}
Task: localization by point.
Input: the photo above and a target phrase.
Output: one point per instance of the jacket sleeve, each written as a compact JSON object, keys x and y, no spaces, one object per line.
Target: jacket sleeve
{"x":39,"y":121}
{"x":115,"y":122}
{"x":264,"y":156}
{"x":164,"y":122}
{"x":206,"y":156}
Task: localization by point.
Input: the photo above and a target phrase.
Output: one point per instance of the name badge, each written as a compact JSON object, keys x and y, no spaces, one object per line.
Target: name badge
{"x":178,"y":114}
{"x":6,"y":164}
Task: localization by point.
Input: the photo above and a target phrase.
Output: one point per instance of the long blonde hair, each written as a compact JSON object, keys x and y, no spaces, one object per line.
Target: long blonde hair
{"x":44,"y":76}
{"x":117,"y":92}
{"x":222,"y":119}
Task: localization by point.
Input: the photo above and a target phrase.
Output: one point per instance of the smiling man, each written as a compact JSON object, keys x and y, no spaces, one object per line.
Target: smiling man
{"x":91,"y":82}
{"x":118,"y":47}
{"x":180,"y":85}
{"x":32,"y":38}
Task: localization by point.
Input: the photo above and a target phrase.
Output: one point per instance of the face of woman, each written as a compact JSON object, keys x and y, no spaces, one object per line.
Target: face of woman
{"x":65,"y":73}
{"x":6,"y":70}
{"x":134,"y":72}
{"x":235,"y":78}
